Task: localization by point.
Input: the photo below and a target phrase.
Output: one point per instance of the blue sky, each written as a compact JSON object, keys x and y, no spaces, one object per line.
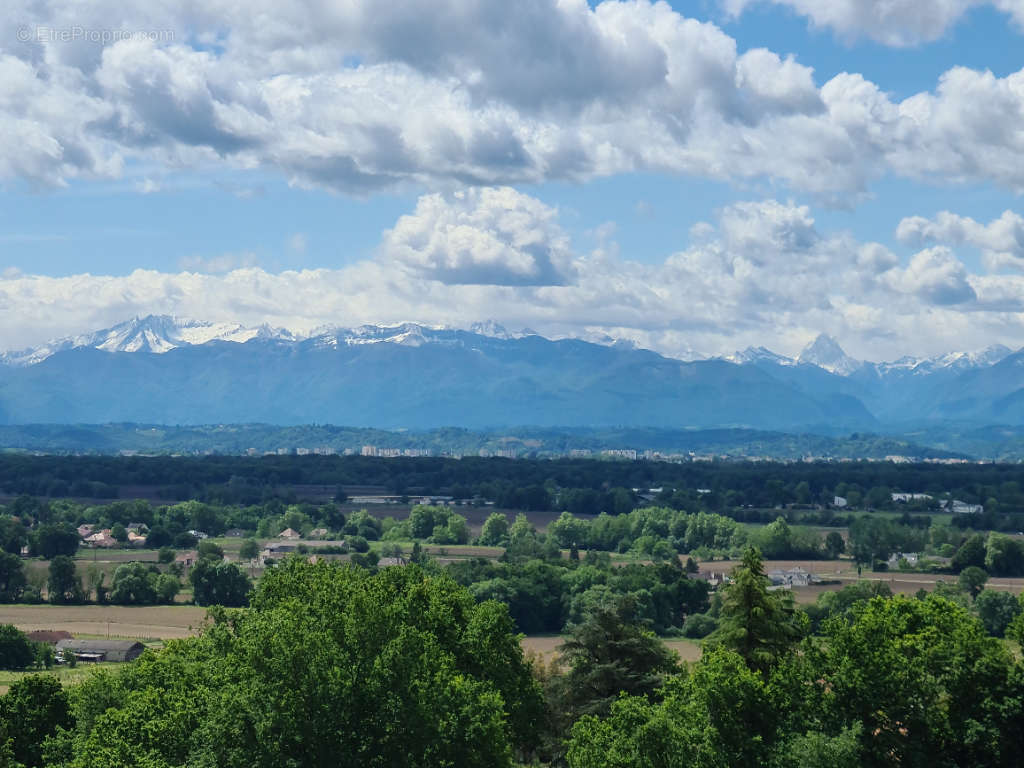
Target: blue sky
{"x":613,"y":169}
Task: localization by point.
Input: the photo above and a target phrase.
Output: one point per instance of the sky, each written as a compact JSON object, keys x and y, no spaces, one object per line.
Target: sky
{"x":697,"y":177}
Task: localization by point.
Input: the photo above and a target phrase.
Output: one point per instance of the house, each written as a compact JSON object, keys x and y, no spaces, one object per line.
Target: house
{"x":187,"y":559}
{"x":84,"y":531}
{"x":318,"y":533}
{"x":912,"y":558}
{"x":136,"y":539}
{"x":276,"y":550}
{"x":963,"y":508}
{"x":288,"y":533}
{"x":839,"y":501}
{"x":200,"y":534}
{"x":50,"y":636}
{"x":101,"y":650}
{"x":905,"y":497}
{"x":102,"y":539}
{"x":794,"y":577}
{"x":713,"y":578}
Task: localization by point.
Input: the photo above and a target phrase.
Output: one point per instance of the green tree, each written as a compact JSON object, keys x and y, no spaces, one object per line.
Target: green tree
{"x":64,"y":587}
{"x":119,"y":533}
{"x":134,"y":584}
{"x":494,"y":532}
{"x":165,"y":555}
{"x":972,"y":580}
{"x":1003,"y":556}
{"x":569,"y":531}
{"x":835,"y":544}
{"x":997,"y":610}
{"x":208,"y":550}
{"x":972,"y":552}
{"x":328,"y":666}
{"x":48,"y":541}
{"x":761,"y":626}
{"x":925,"y":682}
{"x":12,"y":578}
{"x":33,"y":709}
{"x":249,"y":550}
{"x":219,"y":584}
{"x":609,"y":653}
{"x":16,"y":650}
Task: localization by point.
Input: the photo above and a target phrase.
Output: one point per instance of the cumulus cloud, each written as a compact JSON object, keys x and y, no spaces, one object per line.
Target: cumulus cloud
{"x":357,"y":97}
{"x":897,"y":23}
{"x":489,"y":236}
{"x":1001,"y":241}
{"x":762,"y":272}
{"x":936,"y":276}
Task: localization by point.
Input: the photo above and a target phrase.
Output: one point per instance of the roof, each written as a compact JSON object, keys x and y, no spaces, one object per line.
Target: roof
{"x":98,"y":646}
{"x":48,"y":635}
{"x":288,"y":533}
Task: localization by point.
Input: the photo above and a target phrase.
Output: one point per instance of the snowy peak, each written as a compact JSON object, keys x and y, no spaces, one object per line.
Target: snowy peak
{"x":759,"y":355}
{"x":493,"y":330}
{"x":155,"y":334}
{"x":826,"y":353}
{"x":951,"y":361}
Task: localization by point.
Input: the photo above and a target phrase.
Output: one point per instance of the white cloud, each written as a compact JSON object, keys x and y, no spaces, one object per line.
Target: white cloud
{"x":1001,"y":241}
{"x":934,"y":275}
{"x":491,"y":236}
{"x":762,"y":273}
{"x":357,"y":97}
{"x":225,"y":262}
{"x":897,"y":23}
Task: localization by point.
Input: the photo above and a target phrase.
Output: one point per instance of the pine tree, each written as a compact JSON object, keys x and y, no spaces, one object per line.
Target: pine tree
{"x":761,"y":626}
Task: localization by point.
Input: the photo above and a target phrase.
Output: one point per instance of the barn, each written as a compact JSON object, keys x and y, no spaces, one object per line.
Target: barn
{"x":101,"y":650}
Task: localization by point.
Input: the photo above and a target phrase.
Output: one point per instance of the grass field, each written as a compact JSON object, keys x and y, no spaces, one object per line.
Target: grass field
{"x":158,"y":622}
{"x":66,"y":675}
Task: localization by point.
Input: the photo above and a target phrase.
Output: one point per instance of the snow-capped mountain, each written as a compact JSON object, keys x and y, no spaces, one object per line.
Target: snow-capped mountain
{"x":826,"y":353}
{"x":155,"y":334}
{"x":961,"y":361}
{"x":414,"y":375}
{"x":759,"y":355}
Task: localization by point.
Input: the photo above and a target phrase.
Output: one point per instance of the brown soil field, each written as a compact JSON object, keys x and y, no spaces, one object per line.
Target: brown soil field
{"x":846,"y":572}
{"x":163,"y":622}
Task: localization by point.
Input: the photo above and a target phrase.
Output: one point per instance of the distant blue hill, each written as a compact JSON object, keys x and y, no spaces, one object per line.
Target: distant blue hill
{"x":163,"y":371}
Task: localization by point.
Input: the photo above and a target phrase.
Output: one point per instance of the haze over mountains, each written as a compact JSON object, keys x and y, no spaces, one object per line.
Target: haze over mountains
{"x":160,"y":369}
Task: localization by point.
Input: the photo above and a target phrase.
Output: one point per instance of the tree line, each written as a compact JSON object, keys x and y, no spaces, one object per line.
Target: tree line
{"x":339,"y":665}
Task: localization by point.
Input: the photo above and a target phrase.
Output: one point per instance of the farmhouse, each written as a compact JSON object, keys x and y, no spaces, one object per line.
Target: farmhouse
{"x":288,"y":533}
{"x":102,"y":539}
{"x":187,"y":559}
{"x":51,"y":636}
{"x":795,"y":577}
{"x":958,"y":507}
{"x":101,"y":650}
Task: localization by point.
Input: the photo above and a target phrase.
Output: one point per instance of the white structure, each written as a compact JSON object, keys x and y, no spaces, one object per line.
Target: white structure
{"x":905,"y":497}
{"x":963,"y":508}
{"x":839,"y":501}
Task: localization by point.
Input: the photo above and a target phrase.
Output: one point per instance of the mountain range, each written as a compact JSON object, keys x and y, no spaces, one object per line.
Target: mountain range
{"x":166,"y":370}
